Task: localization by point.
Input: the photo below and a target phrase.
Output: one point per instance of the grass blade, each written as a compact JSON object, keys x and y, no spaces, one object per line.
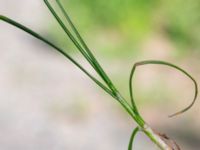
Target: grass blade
{"x":36,"y":35}
{"x":88,"y":58}
{"x":135,"y":131}
{"x":97,"y":65}
{"x":158,"y":62}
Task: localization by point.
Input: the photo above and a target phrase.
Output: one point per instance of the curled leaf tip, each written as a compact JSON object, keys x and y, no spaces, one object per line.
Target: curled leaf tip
{"x":194,"y":99}
{"x":188,"y":107}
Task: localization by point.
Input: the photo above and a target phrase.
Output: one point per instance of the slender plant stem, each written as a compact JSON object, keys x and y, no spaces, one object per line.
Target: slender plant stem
{"x":155,"y":138}
{"x":144,"y":127}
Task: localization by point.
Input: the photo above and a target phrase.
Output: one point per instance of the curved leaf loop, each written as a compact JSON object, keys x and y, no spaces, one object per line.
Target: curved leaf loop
{"x":146,"y":62}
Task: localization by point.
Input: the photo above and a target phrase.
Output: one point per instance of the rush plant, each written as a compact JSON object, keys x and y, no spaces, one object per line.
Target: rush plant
{"x":161,"y":140}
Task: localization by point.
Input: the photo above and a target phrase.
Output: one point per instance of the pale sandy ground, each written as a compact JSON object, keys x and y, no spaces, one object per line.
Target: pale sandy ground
{"x":48,"y":104}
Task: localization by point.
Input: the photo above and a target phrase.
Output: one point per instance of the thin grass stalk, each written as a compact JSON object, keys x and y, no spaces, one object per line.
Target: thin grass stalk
{"x":96,"y":63}
{"x":88,"y":58}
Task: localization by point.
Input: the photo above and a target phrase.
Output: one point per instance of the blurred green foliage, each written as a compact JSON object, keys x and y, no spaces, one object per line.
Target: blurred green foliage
{"x":183,"y":24}
{"x":116,"y":25}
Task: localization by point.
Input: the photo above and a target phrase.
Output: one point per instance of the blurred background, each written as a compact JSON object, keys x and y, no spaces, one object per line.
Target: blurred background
{"x":46,"y":103}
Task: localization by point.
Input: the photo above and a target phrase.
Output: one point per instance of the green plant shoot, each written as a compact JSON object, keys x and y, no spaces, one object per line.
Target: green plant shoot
{"x":106,"y":84}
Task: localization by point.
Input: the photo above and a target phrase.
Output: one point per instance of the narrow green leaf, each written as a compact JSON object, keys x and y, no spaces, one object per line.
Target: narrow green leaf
{"x":146,"y":62}
{"x":36,"y":35}
{"x":135,"y":131}
{"x":97,"y":65}
{"x":68,"y":32}
{"x":131,"y":90}
{"x":92,"y":62}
